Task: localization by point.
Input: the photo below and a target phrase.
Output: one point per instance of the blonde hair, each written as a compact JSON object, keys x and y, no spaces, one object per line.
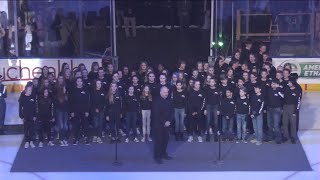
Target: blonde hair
{"x":110,"y":94}
{"x":143,"y":96}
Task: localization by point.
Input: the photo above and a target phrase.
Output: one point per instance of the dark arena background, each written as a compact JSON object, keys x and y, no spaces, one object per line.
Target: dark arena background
{"x":150,"y":89}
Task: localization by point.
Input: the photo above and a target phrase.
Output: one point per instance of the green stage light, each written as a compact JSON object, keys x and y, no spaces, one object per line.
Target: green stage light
{"x":220,"y":43}
{"x":213,"y":43}
{"x":220,"y":35}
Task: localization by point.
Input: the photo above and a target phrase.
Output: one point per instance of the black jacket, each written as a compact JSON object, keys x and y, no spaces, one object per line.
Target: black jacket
{"x":153,"y":88}
{"x":256,"y":105}
{"x":227,"y":107}
{"x":116,"y":105}
{"x":274,"y":98}
{"x":292,"y":97}
{"x":80,"y":100}
{"x":131,"y":104}
{"x":27,"y":106}
{"x":162,"y":111}
{"x":242,"y":106}
{"x":145,"y":104}
{"x":196,"y":101}
{"x":179,"y":99}
{"x":98,"y":100}
{"x":45,"y":108}
{"x":213,"y":96}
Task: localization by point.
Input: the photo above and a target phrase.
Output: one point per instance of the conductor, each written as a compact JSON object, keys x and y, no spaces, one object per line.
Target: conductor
{"x":162,"y":113}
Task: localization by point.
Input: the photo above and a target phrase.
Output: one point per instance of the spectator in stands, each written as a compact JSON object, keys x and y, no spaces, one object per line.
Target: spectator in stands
{"x":54,"y":22}
{"x":169,"y":14}
{"x":2,"y":34}
{"x":39,"y":28}
{"x":130,"y":19}
{"x":119,"y":12}
{"x":147,"y":11}
{"x":184,"y":14}
{"x":27,"y":41}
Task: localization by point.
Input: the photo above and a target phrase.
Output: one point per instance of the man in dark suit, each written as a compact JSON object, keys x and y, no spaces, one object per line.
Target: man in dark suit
{"x":162,"y":113}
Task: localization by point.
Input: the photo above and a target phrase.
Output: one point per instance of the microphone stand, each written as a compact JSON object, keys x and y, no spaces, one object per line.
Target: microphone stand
{"x":219,"y":161}
{"x":116,"y":162}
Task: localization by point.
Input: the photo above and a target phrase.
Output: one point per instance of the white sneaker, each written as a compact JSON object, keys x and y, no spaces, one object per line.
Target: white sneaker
{"x":62,"y":143}
{"x":32,"y":145}
{"x":65,"y":143}
{"x":190,"y":139}
{"x":26,"y":145}
{"x":127,"y":140}
{"x":258,"y":143}
{"x":99,"y":140}
{"x":210,"y":131}
{"x":136,"y":140}
{"x":149,"y":139}
{"x":50,"y":143}
{"x":94,"y":139}
{"x":254,"y":141}
{"x":200,"y":139}
{"x":143,"y":139}
{"x":122,"y":133}
{"x":40,"y":144}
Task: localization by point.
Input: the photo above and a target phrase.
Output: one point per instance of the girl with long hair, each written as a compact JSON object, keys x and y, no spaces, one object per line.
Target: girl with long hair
{"x":114,"y":103}
{"x":146,"y":105}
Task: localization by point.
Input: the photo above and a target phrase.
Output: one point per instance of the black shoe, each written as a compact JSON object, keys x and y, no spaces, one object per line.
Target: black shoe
{"x":215,"y":139}
{"x":167,"y":157}
{"x":278,"y":142}
{"x":158,"y":161}
{"x":293,"y":141}
{"x":284,"y":140}
{"x":208,"y":138}
{"x":75,"y":142}
{"x":87,"y":142}
{"x":2,"y":132}
{"x":177,"y":137}
{"x":181,"y":137}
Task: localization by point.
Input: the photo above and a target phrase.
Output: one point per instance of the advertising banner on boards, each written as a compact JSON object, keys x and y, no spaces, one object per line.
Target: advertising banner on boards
{"x":308,"y":69}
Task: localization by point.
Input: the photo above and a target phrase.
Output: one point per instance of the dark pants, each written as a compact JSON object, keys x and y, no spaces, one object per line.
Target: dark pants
{"x":227,"y":127}
{"x":114,"y":123}
{"x":62,"y":118}
{"x":45,"y":128}
{"x":212,"y":118}
{"x":2,"y":112}
{"x":196,"y":124}
{"x":274,"y":117}
{"x":131,"y":123}
{"x":80,"y":122}
{"x":161,"y":139}
{"x":98,"y":119}
{"x":289,"y":120}
{"x":29,"y":129}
